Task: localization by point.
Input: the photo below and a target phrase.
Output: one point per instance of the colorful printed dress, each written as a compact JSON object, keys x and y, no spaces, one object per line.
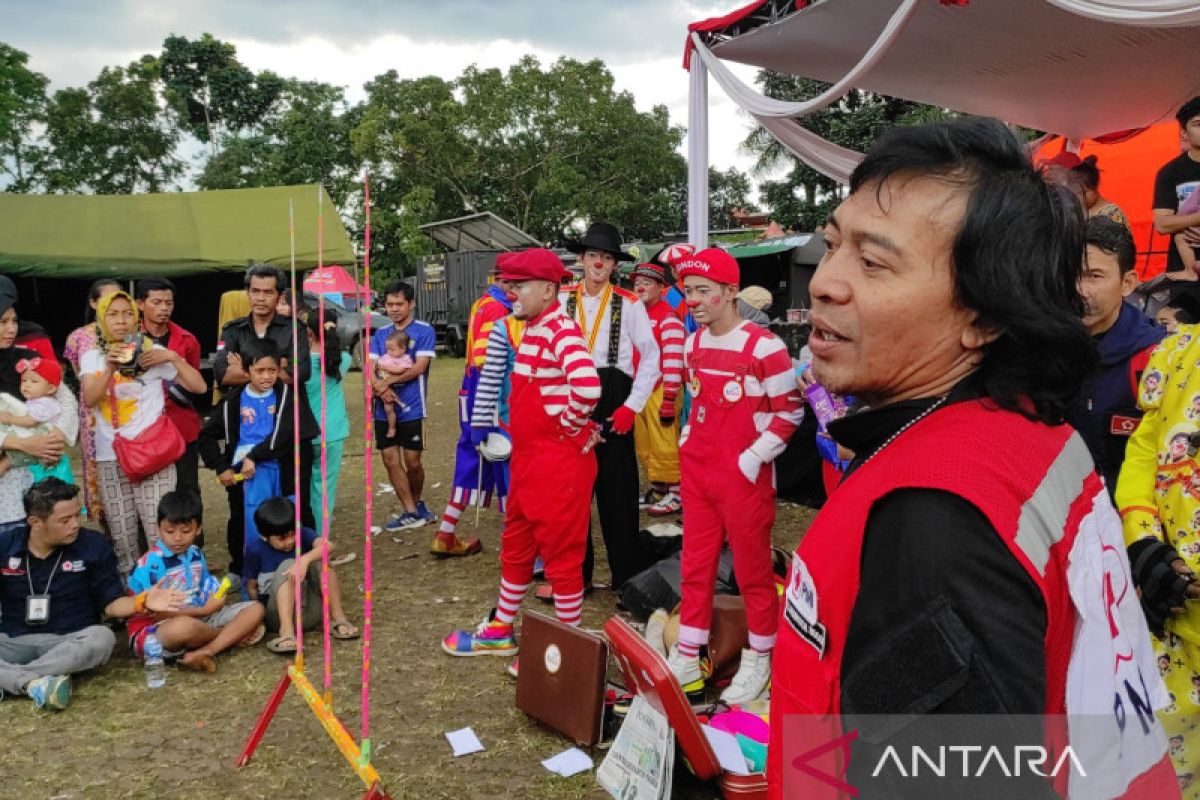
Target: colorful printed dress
{"x":1158,"y":495}
{"x":79,"y":341}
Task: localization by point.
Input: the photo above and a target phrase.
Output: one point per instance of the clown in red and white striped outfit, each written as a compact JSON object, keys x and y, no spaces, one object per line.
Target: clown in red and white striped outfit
{"x":745,"y":407}
{"x":555,"y":388}
{"x":656,"y":428}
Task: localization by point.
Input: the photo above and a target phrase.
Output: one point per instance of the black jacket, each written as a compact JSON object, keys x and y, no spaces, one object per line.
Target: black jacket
{"x":236,"y":333}
{"x":1106,"y":412}
{"x":218,"y":438}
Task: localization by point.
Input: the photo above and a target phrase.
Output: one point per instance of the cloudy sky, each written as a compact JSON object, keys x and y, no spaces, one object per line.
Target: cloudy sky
{"x":348,"y":43}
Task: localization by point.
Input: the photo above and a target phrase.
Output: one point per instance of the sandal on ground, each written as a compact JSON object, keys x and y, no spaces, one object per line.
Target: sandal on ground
{"x":198,"y":662}
{"x":344,"y":558}
{"x":343,"y":629}
{"x":443,"y":549}
{"x":255,"y":636}
{"x":282,"y":644}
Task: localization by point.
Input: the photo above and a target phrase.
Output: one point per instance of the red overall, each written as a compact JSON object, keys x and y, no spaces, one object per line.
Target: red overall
{"x":1020,"y":480}
{"x":550,"y":499}
{"x":718,"y":502}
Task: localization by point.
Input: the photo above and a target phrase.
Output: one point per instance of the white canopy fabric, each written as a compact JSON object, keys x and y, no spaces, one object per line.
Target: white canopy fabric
{"x":1079,"y":68}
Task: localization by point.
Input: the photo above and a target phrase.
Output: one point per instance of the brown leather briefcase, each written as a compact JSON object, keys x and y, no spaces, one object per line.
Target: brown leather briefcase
{"x":562,"y":677}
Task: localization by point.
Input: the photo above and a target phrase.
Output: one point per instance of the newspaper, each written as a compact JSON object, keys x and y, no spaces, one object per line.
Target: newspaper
{"x":640,"y":762}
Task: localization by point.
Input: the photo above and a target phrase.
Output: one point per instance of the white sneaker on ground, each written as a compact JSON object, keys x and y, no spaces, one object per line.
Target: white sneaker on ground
{"x":752,"y":678}
{"x":670,"y":504}
{"x":655,"y":628}
{"x":687,"y":671}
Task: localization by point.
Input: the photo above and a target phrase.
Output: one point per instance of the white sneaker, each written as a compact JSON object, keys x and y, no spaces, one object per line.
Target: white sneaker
{"x":686,"y":671}
{"x":670,"y":504}
{"x":655,"y":628}
{"x":752,"y":678}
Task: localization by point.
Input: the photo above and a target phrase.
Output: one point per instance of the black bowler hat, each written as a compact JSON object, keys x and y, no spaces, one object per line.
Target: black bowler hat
{"x":601,"y":236}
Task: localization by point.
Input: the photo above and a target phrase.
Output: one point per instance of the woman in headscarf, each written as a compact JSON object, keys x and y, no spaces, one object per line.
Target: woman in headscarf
{"x":48,"y":447}
{"x":79,"y":341}
{"x":127,"y":367}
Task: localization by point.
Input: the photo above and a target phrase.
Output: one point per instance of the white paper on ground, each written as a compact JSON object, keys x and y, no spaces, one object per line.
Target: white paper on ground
{"x":729,"y":753}
{"x":464,"y":741}
{"x":568,"y":762}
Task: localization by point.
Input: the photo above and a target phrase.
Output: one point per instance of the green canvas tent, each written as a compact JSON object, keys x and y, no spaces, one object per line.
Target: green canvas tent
{"x":182,"y":233}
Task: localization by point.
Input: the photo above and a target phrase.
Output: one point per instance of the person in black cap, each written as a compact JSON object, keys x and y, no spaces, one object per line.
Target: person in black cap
{"x":617,"y":332}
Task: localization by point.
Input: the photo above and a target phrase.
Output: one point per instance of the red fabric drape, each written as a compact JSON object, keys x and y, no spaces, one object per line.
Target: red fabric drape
{"x":717,"y":23}
{"x":1128,"y":162}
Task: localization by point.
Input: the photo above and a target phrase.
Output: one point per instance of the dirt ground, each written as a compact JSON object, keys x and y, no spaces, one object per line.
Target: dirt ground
{"x":121,"y":740}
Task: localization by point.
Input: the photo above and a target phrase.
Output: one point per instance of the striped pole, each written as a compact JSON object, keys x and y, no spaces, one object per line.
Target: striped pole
{"x":368,"y":482}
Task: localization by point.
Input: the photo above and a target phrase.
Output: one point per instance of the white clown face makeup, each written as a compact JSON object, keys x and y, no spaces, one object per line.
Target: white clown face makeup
{"x":598,"y":266}
{"x":530,"y":298}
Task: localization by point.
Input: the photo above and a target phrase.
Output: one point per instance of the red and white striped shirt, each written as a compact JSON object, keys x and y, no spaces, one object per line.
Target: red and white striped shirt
{"x":552,"y":350}
{"x":670,"y":334}
{"x":770,"y":387}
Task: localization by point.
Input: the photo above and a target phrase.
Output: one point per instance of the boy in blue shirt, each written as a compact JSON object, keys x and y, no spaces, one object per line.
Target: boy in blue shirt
{"x":271,"y":569}
{"x":206,"y":625}
{"x":247,"y":440}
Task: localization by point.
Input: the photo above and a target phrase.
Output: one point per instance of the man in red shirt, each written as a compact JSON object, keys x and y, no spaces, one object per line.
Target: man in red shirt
{"x":156,"y":302}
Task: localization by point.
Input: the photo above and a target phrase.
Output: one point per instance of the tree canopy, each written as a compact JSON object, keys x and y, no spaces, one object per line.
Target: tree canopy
{"x":548,"y":147}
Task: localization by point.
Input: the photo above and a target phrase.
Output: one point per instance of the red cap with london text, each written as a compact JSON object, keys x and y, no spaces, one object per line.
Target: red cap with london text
{"x":712,"y":263}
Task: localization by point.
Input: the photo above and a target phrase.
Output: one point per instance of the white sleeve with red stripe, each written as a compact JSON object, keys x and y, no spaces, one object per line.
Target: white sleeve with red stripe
{"x":671,"y":335}
{"x":641,"y":334}
{"x":579,"y":371}
{"x":786,"y":410}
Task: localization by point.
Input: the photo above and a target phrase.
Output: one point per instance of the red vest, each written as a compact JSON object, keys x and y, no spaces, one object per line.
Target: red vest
{"x":1035,"y":484}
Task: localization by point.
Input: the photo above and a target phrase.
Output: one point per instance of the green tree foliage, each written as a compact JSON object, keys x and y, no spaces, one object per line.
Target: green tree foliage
{"x":728,"y":191}
{"x":303,"y":138}
{"x":211,"y":93}
{"x":112,"y":137}
{"x":796,"y":195}
{"x":545,"y":148}
{"x":22,"y":106}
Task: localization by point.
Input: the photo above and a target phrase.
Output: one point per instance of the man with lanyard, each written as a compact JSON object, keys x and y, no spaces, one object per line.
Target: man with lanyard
{"x":264,"y":285}
{"x":656,"y":430}
{"x":615,"y":326}
{"x":401,"y":453}
{"x":156,"y":300}
{"x":56,"y":583}
{"x":970,"y":562}
{"x":474,"y":475}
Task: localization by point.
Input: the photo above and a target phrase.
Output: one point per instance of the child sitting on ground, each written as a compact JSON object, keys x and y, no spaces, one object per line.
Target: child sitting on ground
{"x":271,"y":569}
{"x":207,"y":625}
{"x":40,"y":378}
{"x":392,"y":364}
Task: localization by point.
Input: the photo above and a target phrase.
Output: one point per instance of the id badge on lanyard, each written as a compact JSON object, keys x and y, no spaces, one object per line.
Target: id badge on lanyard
{"x":37,"y":606}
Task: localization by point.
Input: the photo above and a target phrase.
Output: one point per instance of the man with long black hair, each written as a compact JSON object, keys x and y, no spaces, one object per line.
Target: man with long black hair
{"x":962,"y":565}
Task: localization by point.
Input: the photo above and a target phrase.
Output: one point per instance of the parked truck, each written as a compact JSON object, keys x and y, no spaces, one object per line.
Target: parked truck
{"x":447,"y":285}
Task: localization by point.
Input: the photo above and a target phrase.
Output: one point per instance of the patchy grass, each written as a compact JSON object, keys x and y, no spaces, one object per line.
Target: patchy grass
{"x":122,"y":740}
